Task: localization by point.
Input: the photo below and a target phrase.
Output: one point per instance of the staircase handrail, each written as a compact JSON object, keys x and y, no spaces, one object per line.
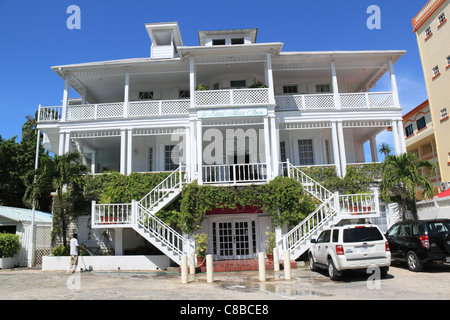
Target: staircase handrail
{"x":172,"y":181}
{"x":323,"y":213}
{"x":162,"y":231}
{"x":320,"y":192}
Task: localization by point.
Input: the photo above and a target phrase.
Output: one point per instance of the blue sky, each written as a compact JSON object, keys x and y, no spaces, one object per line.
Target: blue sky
{"x":34,"y":37}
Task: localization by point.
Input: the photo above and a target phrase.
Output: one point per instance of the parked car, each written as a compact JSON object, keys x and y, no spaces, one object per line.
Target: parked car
{"x":420,"y":241}
{"x":347,"y":247}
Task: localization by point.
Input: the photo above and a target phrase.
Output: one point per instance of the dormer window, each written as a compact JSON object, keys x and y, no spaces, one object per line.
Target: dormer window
{"x":237,"y":41}
{"x":218,"y":42}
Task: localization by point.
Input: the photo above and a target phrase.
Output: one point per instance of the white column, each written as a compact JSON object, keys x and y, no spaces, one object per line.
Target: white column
{"x":67,"y":143}
{"x":401,"y":135}
{"x":394,"y":84}
{"x":334,"y":138}
{"x":118,"y":241}
{"x":193,"y":158}
{"x":269,"y":80}
{"x":126,"y":94}
{"x":187,"y":149}
{"x":192,"y":81}
{"x":94,"y":161}
{"x":129,"y":151}
{"x":61,"y":143}
{"x":199,"y":149}
{"x":123,"y":150}
{"x":275,"y":145}
{"x":396,"y":138}
{"x":337,"y":100}
{"x":267,"y":147}
{"x":65,"y":101}
{"x":373,"y":149}
{"x":342,"y":155}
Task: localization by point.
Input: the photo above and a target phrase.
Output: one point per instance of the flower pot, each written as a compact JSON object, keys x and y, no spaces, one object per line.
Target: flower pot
{"x":270,"y":257}
{"x":7,"y":263}
{"x":200,"y":261}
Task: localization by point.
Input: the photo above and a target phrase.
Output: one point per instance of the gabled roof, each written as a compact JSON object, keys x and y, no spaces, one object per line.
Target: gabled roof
{"x":21,"y":214}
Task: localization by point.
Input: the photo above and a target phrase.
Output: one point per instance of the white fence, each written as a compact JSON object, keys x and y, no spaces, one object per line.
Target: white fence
{"x":434,"y":208}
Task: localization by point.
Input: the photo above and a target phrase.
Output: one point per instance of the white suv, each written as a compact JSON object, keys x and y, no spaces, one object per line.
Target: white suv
{"x":345,"y":247}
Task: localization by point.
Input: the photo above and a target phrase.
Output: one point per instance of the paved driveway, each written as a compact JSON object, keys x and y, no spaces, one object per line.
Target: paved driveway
{"x":400,"y":283}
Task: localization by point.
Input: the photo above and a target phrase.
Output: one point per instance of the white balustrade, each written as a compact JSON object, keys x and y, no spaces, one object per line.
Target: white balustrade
{"x":235,"y":97}
{"x":48,"y":114}
{"x":357,"y":204}
{"x":234,"y":173}
{"x":112,"y":214}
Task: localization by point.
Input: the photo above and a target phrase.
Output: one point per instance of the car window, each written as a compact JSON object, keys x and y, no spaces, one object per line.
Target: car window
{"x":405,"y":230}
{"x":324,"y":236}
{"x":362,"y":234}
{"x":393,"y":231}
{"x":436,"y":227}
{"x":335,"y":236}
{"x":415,"y":230}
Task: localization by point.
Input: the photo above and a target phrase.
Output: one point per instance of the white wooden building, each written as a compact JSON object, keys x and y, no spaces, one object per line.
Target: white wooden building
{"x":261,"y":110}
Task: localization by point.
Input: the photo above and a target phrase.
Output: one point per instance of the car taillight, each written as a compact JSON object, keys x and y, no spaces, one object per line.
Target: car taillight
{"x":339,"y":250}
{"x":387,"y":246}
{"x":425,"y":240}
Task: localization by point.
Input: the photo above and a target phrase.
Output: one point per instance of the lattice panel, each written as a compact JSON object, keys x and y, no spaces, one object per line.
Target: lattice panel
{"x":250,"y":96}
{"x":319,"y":101}
{"x":381,"y":100}
{"x":353,"y":101}
{"x":81,"y":112}
{"x":110,"y":110}
{"x":213,"y":97}
{"x":289,"y":103}
{"x":174,"y":107}
{"x":143,"y":108}
{"x":43,"y":243}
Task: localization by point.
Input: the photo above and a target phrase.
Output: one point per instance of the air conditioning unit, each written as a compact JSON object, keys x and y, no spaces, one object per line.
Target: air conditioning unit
{"x":445,"y":185}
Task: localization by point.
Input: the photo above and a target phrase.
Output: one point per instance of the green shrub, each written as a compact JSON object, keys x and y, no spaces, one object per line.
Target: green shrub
{"x":9,"y":245}
{"x":61,"y":250}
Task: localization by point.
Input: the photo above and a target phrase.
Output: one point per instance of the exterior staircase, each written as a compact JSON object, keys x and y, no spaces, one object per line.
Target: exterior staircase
{"x":140,"y":215}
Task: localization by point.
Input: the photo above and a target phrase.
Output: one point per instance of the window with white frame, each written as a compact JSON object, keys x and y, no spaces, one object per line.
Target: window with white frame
{"x":218,"y":42}
{"x":145,"y":95}
{"x":305,"y":152}
{"x":428,"y":32}
{"x":435,"y":71}
{"x":237,"y":41}
{"x":444,"y":113}
{"x":171,"y":158}
{"x":150,"y":159}
{"x":291,"y":88}
{"x":323,"y":88}
{"x":448,"y":60}
{"x":441,"y":18}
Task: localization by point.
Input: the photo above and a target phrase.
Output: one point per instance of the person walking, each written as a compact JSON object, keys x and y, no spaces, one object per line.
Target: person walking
{"x":73,"y":254}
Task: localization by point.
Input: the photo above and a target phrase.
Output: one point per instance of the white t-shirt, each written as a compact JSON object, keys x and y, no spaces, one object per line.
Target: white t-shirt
{"x":73,"y":246}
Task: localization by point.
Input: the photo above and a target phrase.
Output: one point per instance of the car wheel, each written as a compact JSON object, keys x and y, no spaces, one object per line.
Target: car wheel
{"x":413,"y":262}
{"x":384,"y":271}
{"x":312,"y":264}
{"x":332,"y":271}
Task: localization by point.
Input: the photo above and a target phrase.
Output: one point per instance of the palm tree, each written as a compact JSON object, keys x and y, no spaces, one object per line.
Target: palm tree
{"x":68,"y":171}
{"x":400,"y":178}
{"x":385,"y":149}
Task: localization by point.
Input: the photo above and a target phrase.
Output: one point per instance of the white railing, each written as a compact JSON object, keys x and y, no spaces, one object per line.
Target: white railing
{"x":112,"y":214}
{"x":161,"y":231}
{"x":136,"y":109}
{"x":49,"y":114}
{"x":172,"y":182}
{"x":234,"y":173}
{"x":311,"y":224}
{"x":357,"y":204}
{"x":235,"y":97}
{"x":365,"y":100}
{"x":310,"y":185}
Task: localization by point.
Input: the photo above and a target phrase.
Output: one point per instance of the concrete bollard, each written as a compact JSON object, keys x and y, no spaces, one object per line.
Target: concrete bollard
{"x":287,"y":265}
{"x":209,"y":269}
{"x":192,"y":262}
{"x":184,"y":269}
{"x":276,"y":260}
{"x":262,"y":266}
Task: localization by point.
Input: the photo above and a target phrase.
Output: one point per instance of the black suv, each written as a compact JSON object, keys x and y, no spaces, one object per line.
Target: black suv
{"x":420,"y":241}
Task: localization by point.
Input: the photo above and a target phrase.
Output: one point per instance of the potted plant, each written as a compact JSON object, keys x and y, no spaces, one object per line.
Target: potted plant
{"x":270,"y":244}
{"x":9,"y":247}
{"x":202,"y":87}
{"x":201,"y":245}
